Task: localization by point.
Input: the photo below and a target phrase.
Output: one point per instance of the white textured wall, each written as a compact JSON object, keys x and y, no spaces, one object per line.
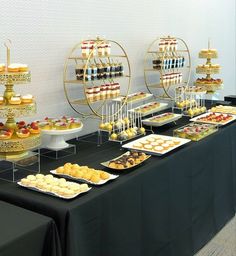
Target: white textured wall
{"x":43,"y":32}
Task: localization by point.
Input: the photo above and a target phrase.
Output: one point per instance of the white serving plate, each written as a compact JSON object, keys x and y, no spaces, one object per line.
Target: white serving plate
{"x":106,"y":164}
{"x":152,"y":152}
{"x":195,"y":119}
{"x":121,"y":98}
{"x":112,"y":177}
{"x":160,"y":108}
{"x":50,"y":193}
{"x":149,"y":121}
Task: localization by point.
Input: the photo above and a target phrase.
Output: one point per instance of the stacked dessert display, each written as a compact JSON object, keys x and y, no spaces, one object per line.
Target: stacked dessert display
{"x":123,"y":126}
{"x":210,"y":84}
{"x":16,"y":138}
{"x":167,"y":65}
{"x":100,"y":68}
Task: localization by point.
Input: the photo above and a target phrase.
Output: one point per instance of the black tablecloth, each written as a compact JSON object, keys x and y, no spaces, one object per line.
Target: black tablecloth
{"x":26,"y":233}
{"x":170,"y":206}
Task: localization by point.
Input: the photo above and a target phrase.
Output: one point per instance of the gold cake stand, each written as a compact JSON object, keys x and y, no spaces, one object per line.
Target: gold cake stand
{"x":15,"y":147}
{"x":75,"y":90}
{"x":154,"y":77}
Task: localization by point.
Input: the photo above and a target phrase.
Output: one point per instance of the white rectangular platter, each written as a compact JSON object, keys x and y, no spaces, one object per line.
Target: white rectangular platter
{"x":196,"y":119}
{"x":162,"y":106}
{"x":132,"y":145}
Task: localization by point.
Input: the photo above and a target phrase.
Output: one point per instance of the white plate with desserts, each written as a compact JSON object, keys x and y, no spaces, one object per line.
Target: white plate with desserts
{"x":156,"y":144}
{"x":149,"y":108}
{"x":49,"y":185}
{"x":161,"y":119}
{"x":126,"y":161}
{"x":84,"y":174}
{"x":214,"y":118}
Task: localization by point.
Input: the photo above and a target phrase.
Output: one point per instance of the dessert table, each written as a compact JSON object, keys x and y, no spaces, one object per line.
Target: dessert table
{"x":170,"y":206}
{"x":26,"y":233}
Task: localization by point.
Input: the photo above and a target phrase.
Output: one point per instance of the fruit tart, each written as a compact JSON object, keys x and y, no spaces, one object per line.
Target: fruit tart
{"x":5,"y":134}
{"x":34,"y":128}
{"x":23,"y":133}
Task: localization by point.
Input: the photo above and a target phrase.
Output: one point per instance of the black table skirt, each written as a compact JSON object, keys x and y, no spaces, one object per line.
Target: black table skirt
{"x":170,"y":206}
{"x":23,"y":232}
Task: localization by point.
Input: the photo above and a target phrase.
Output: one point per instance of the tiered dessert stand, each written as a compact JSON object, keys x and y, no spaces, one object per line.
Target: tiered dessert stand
{"x":209,"y":69}
{"x":16,"y":150}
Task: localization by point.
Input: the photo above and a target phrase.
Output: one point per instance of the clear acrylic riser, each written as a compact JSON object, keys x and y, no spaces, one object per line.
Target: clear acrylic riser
{"x":58,"y":153}
{"x":15,"y":169}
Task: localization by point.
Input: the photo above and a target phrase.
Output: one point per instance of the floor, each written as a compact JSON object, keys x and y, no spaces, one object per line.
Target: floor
{"x":223,"y":244}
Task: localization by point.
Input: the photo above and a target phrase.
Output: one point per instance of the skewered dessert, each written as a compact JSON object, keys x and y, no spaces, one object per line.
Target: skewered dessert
{"x":83,"y":172}
{"x":127,"y":160}
{"x":59,"y":187}
{"x":185,"y":103}
{"x":196,"y":111}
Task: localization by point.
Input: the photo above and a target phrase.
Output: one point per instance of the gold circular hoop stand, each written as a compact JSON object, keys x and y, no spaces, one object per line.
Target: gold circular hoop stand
{"x":152,"y":51}
{"x":93,"y":111}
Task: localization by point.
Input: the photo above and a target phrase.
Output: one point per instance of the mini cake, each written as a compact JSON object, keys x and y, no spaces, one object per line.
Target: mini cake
{"x":28,"y":98}
{"x":13,"y":68}
{"x":2,"y":67}
{"x":61,"y":126}
{"x":23,"y":68}
{"x":15,"y":100}
{"x":45,"y":125}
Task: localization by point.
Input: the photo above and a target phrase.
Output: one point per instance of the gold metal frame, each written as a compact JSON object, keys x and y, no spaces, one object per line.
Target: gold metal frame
{"x":94,"y":112}
{"x":165,"y":88}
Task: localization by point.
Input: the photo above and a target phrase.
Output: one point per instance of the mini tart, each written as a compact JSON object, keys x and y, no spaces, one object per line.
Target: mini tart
{"x":28,"y":98}
{"x":74,"y":124}
{"x":23,"y":133}
{"x":165,"y":146}
{"x":34,"y":130}
{"x":15,"y":100}
{"x":45,"y":126}
{"x":61,"y":126}
{"x":159,"y":149}
{"x":137,"y":145}
{"x":148,"y":147}
{"x":5,"y":135}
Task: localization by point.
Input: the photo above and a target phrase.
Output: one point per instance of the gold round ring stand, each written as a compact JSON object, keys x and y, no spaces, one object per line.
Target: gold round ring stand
{"x":15,"y":147}
{"x":75,"y":90}
{"x":153,"y":77}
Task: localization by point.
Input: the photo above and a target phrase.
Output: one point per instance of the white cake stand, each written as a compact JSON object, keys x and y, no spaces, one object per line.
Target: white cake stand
{"x":56,"y":140}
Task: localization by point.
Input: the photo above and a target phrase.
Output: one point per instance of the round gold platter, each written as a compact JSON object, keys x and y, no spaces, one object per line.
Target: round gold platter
{"x":15,"y":78}
{"x":10,"y":111}
{"x":16,"y":144}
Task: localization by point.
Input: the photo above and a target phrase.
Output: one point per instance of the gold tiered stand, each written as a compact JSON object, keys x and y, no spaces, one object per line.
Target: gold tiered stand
{"x":15,"y":147}
{"x":210,"y":87}
{"x":77,"y":88}
{"x":153,"y":77}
